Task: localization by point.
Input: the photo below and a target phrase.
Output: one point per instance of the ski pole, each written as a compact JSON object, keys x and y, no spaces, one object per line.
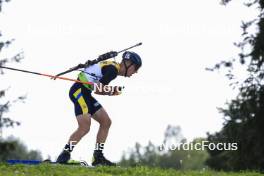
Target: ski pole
{"x":47,"y":75}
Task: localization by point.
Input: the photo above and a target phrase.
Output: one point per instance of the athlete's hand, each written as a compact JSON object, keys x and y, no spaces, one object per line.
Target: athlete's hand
{"x":117,"y":90}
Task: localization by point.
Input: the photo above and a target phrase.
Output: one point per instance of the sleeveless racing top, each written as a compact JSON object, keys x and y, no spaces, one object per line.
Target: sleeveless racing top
{"x":104,"y":72}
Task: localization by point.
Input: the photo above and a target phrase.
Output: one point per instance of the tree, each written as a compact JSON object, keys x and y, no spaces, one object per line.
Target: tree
{"x":11,"y":148}
{"x":5,"y":104}
{"x":15,"y":149}
{"x":169,"y":155}
{"x":1,"y":3}
{"x":244,"y":115}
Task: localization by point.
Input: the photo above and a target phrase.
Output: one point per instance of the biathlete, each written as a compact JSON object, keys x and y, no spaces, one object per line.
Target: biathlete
{"x":87,"y":107}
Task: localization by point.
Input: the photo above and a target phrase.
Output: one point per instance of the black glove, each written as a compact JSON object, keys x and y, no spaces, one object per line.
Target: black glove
{"x":117,"y":90}
{"x":108,"y":55}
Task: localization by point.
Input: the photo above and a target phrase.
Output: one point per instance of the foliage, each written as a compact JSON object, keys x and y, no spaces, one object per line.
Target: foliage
{"x":1,"y":3}
{"x":5,"y":105}
{"x":244,"y":115}
{"x":169,"y":155}
{"x":12,"y":148}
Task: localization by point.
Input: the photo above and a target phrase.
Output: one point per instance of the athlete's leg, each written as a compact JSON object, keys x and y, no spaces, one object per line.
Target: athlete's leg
{"x":103,"y":119}
{"x":84,"y":123}
{"x":81,"y":100}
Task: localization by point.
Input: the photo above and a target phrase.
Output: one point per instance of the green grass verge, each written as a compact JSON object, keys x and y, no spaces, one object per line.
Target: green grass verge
{"x":61,"y":170}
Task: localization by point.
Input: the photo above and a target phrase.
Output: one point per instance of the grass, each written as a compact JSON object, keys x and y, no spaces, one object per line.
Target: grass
{"x":61,"y":170}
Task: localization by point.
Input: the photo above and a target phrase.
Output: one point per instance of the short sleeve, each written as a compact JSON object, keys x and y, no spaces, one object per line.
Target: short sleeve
{"x":109,"y":73}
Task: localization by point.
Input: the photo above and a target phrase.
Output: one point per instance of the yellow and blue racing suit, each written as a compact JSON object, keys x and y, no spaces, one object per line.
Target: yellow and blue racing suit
{"x":81,"y":94}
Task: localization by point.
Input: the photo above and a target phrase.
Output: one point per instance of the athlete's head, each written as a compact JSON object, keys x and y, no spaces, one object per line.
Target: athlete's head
{"x":130,"y":64}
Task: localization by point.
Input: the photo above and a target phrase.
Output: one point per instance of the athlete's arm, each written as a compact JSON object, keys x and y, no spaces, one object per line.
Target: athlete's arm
{"x":109,"y":73}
